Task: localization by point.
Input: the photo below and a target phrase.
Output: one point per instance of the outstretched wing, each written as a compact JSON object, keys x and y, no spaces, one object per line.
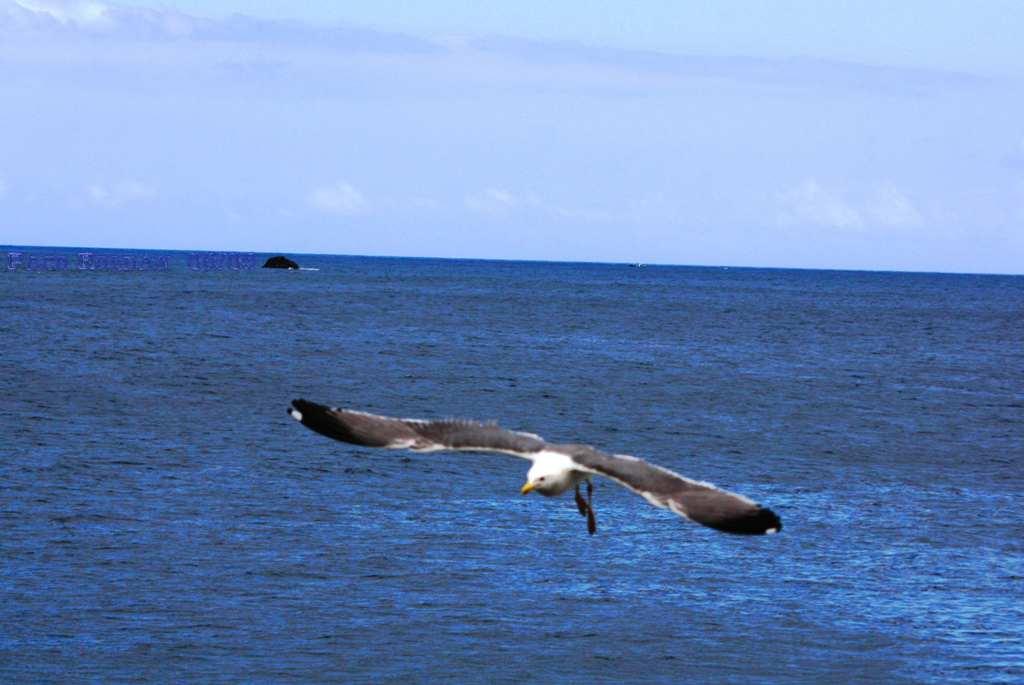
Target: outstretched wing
{"x":371,"y":430}
{"x":697,"y":501}
{"x":700,"y":502}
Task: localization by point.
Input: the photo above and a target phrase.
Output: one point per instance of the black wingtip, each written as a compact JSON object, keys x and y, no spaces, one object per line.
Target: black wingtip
{"x":326,"y":421}
{"x":307,"y":413}
{"x":763,"y":522}
{"x":295,"y":410}
{"x":304,"y":407}
{"x":773,"y":524}
{"x":760,"y":521}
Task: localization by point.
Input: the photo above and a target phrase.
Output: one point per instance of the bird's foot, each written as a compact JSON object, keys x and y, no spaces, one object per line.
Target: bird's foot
{"x":586,"y":507}
{"x":581,"y":503}
{"x":591,"y":519}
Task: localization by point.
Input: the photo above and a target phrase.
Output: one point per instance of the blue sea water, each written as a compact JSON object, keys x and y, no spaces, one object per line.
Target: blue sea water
{"x":164,"y":519}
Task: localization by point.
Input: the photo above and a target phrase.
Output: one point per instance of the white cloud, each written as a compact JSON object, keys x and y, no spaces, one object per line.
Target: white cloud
{"x":889,"y":207}
{"x":424,"y":203}
{"x":65,"y":17}
{"x":501,"y":201}
{"x":493,"y":201}
{"x":339,"y":198}
{"x":463,"y":61}
{"x":584,"y":215}
{"x":1014,"y":159}
{"x":81,"y":12}
{"x":809,"y":203}
{"x":119,"y":194}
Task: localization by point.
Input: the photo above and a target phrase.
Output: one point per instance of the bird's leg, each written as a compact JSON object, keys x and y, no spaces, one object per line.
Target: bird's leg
{"x":581,"y":504}
{"x":586,"y":507}
{"x":591,"y":521}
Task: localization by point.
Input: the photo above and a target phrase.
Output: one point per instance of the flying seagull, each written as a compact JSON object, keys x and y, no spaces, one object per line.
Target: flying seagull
{"x":555,"y":469}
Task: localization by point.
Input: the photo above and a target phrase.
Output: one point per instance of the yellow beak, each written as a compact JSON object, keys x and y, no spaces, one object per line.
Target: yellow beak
{"x":527,"y":489}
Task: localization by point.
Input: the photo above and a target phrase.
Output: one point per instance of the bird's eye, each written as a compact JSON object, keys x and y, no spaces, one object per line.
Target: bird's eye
{"x":541,"y":479}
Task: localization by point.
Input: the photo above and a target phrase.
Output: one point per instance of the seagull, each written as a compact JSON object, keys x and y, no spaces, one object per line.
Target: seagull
{"x":556,"y":467}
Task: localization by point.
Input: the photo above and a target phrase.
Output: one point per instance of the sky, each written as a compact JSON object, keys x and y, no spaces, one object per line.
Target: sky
{"x":786,"y":133}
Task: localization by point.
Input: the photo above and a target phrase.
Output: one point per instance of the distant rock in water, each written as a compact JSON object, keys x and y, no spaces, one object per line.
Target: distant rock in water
{"x":280,"y":263}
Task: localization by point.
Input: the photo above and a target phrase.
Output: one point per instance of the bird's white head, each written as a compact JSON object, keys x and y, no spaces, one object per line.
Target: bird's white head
{"x":551,"y":474}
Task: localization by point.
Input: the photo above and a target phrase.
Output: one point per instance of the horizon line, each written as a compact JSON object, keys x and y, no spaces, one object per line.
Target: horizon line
{"x":4,"y":247}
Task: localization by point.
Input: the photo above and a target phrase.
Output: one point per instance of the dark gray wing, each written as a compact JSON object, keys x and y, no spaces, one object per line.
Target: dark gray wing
{"x":371,"y":430}
{"x":700,"y":502}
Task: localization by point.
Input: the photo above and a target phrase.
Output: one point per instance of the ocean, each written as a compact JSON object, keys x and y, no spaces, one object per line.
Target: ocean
{"x":163,"y":519}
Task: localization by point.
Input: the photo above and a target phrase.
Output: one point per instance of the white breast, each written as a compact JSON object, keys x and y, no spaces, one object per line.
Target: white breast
{"x":558,"y":470}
